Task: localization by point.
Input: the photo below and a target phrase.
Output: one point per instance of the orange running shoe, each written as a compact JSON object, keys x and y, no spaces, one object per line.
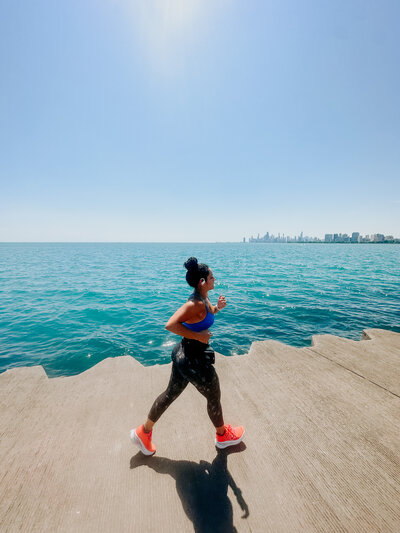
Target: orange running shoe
{"x":231,"y":436}
{"x":143,"y":440}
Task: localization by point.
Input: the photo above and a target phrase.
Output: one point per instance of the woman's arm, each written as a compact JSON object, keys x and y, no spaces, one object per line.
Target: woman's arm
{"x":220,"y":304}
{"x":189,"y":311}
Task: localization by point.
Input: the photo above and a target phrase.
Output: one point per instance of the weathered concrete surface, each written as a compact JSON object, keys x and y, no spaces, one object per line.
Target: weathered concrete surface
{"x":321,"y":451}
{"x":381,"y":367}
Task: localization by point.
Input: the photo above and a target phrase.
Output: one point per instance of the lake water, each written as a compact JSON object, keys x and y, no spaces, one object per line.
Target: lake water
{"x":67,"y":306}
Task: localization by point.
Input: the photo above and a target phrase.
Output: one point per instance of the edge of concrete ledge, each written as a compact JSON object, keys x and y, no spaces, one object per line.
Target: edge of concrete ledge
{"x":113,"y":364}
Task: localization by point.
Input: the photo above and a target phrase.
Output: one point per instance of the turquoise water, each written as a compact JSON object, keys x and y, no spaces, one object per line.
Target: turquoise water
{"x":68,"y":306}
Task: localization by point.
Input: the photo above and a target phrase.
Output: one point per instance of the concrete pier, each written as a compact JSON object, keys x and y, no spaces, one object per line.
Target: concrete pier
{"x":321,"y":451}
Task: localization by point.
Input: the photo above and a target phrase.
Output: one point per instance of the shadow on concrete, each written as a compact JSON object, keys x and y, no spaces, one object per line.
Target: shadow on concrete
{"x":202,"y":488}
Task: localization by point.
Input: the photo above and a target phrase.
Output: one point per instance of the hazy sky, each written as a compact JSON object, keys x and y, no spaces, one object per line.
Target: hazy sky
{"x":198,"y":120}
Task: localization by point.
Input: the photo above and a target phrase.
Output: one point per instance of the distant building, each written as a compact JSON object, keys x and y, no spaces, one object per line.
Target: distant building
{"x":355,"y":237}
{"x":328,"y":237}
{"x":378,"y":237}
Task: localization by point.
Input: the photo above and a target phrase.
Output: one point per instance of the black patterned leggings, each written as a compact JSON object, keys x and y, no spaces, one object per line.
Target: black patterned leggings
{"x":190,"y":365}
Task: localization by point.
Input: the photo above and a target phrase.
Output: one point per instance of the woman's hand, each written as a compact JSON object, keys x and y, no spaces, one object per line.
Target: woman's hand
{"x":221,"y":302}
{"x":204,"y":336}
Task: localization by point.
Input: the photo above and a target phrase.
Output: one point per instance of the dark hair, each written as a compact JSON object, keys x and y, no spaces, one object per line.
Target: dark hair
{"x":195,"y":271}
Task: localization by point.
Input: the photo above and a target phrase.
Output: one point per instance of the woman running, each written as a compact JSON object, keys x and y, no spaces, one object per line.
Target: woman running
{"x":192,"y":361}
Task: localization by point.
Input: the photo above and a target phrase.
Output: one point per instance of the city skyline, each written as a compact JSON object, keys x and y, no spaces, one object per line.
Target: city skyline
{"x":354,"y":237}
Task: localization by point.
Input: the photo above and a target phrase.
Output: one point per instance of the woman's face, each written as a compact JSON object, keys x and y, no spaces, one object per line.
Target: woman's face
{"x":210,"y":281}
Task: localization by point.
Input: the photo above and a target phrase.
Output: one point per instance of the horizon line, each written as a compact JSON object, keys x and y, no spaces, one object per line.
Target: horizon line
{"x":184,"y":242}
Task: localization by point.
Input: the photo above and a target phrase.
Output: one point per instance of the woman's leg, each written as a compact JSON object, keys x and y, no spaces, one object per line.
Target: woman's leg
{"x":176,"y":386}
{"x":206,"y":381}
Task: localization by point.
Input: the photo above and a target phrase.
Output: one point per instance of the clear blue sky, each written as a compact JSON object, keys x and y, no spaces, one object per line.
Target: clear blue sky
{"x":198,"y":120}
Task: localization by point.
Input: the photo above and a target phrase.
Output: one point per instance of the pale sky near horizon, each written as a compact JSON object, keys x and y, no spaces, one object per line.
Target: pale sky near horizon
{"x":198,"y":120}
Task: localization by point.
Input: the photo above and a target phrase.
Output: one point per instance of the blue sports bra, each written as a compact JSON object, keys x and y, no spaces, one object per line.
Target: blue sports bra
{"x":206,"y":323}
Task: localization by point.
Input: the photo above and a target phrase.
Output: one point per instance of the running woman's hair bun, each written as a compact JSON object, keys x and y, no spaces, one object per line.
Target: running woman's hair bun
{"x":191,"y":264}
{"x":195,"y":271}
